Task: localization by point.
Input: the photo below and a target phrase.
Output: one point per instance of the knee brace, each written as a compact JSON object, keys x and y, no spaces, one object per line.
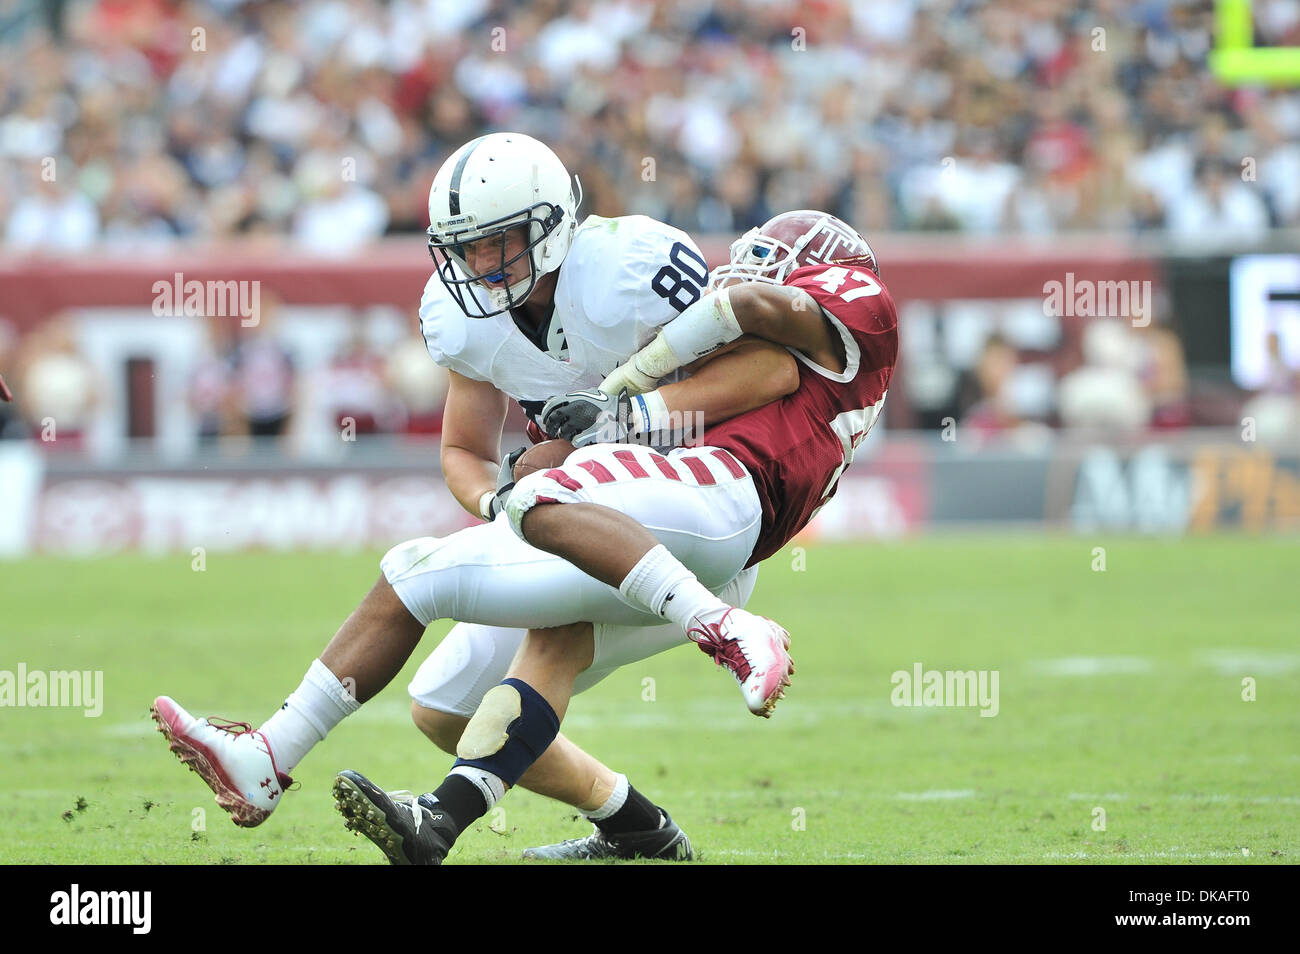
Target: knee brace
{"x":510,"y":730}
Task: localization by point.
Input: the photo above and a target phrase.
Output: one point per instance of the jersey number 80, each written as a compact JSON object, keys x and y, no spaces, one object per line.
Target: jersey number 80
{"x":681,"y":286}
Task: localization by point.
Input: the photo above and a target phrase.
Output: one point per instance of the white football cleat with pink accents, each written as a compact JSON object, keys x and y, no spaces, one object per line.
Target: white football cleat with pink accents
{"x":235,"y":761}
{"x":755,"y":649}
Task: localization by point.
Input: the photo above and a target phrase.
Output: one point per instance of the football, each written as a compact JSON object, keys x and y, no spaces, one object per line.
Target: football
{"x":543,"y":456}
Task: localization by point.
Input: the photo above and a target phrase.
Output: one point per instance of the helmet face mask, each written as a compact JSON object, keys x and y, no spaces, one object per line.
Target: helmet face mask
{"x":449,"y":247}
{"x":513,"y":194}
{"x":755,"y":257}
{"x":788,"y":241}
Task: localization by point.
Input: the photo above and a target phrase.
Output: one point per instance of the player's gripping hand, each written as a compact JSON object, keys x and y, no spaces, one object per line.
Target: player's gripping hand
{"x":505,"y":484}
{"x":628,"y":377}
{"x":589,"y":417}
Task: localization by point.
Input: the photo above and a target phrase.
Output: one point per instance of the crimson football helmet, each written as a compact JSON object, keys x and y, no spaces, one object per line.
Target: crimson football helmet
{"x":788,"y":241}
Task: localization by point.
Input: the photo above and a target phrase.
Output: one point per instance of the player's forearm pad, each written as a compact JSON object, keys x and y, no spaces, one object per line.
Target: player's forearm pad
{"x":702,"y":328}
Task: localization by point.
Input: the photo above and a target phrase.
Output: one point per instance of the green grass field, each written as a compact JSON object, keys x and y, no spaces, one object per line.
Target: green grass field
{"x":1119,"y":690}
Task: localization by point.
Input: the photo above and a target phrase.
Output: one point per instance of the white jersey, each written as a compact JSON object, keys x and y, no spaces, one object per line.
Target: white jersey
{"x":621,"y":280}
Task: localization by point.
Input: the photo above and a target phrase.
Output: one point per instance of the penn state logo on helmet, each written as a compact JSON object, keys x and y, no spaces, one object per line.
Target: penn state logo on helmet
{"x":502,"y":213}
{"x":788,"y":241}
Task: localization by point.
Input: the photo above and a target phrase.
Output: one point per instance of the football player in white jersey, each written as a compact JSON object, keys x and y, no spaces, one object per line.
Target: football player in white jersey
{"x":526,"y":304}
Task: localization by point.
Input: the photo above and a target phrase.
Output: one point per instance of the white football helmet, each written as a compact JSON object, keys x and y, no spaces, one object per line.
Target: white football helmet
{"x":486,"y":188}
{"x":788,"y":241}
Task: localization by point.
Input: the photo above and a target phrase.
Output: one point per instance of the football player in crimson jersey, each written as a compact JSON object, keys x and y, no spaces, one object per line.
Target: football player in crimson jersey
{"x":804,"y":280}
{"x":807,"y":282}
{"x":811,"y":284}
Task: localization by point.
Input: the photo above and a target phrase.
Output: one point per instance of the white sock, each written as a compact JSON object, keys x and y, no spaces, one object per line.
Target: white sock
{"x":660,"y":583}
{"x":318,"y":704}
{"x":614,"y":802}
{"x":490,"y":786}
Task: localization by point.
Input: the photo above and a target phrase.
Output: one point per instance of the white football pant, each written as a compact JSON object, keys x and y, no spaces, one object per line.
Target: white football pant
{"x":699,"y":502}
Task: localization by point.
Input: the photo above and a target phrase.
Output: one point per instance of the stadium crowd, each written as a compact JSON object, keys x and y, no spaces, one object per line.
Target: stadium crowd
{"x":132,"y":123}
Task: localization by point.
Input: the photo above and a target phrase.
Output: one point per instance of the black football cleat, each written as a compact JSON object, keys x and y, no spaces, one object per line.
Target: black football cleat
{"x":407,"y":832}
{"x":666,"y":843}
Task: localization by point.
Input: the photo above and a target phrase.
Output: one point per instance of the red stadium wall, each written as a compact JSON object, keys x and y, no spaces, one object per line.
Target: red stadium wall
{"x":395,"y":271}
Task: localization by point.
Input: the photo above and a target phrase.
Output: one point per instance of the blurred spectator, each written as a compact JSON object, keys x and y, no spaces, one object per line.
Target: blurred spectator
{"x":339,"y":216}
{"x":352,"y":390}
{"x":419,"y":384}
{"x":11,"y":422}
{"x":987,"y":389}
{"x":1275,"y":410}
{"x":1105,"y":393}
{"x":1163,"y":374}
{"x":263,"y":378}
{"x":1220,"y":208}
{"x":52,"y":216}
{"x":1278,"y":170}
{"x":210,"y":394}
{"x":970,"y":191}
{"x":1276,"y":418}
{"x":56,"y":387}
{"x":1279,"y":378}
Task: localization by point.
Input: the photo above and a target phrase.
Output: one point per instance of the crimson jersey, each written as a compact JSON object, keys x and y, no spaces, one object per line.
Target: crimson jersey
{"x":797,"y":447}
